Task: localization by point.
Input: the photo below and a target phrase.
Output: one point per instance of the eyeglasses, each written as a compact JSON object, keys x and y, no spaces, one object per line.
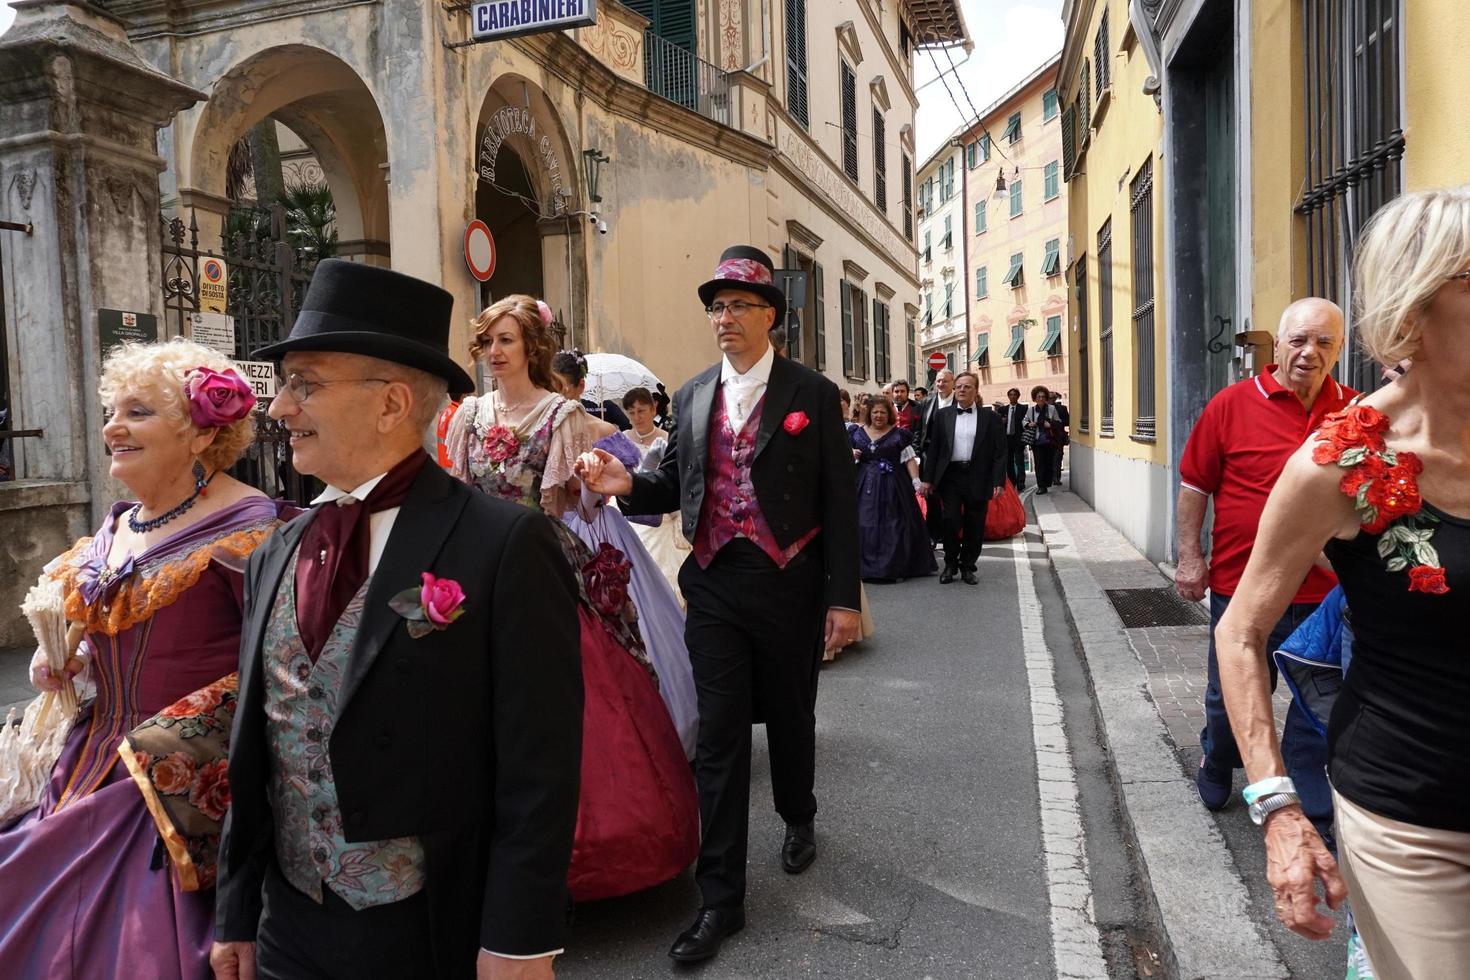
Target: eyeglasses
{"x":300,"y":389}
{"x":736,"y":309}
{"x":1462,"y":276}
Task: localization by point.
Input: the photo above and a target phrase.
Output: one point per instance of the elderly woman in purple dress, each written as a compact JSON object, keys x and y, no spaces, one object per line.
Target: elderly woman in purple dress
{"x":111,"y":875}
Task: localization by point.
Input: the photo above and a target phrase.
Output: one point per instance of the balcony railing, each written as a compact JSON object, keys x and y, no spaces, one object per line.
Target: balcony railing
{"x":683,"y":77}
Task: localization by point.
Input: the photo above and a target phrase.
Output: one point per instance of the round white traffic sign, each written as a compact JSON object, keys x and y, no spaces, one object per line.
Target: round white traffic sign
{"x":937,"y":361}
{"x":479,"y":250}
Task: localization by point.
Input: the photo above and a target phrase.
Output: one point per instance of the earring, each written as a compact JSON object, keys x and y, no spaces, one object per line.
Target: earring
{"x":200,"y":479}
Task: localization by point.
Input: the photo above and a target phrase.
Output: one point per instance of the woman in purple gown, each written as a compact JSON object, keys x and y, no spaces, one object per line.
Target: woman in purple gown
{"x":99,"y":880}
{"x":895,"y":543}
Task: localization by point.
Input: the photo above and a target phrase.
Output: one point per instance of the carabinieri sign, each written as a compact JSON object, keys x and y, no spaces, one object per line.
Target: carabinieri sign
{"x":500,"y":19}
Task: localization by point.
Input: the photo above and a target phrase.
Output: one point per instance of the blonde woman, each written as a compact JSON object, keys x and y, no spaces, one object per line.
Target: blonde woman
{"x":1385,"y":487}
{"x":158,"y":590}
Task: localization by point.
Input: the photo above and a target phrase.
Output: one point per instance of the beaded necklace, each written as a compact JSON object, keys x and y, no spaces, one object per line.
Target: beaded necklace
{"x":201,"y":485}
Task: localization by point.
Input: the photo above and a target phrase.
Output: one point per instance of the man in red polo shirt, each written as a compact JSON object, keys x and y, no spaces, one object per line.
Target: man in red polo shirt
{"x":1235,"y":453}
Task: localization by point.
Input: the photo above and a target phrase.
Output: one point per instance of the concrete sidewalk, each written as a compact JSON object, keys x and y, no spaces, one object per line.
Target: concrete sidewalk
{"x":1205,"y":870}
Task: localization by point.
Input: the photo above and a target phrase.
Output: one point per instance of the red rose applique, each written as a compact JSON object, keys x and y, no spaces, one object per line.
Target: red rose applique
{"x":795,"y":422}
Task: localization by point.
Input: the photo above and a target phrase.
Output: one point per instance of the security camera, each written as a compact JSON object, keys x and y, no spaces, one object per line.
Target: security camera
{"x":593,"y":218}
{"x":602,"y":227}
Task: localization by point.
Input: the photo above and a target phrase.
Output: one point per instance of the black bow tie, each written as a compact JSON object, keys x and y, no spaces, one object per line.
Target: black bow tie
{"x":964,"y":411}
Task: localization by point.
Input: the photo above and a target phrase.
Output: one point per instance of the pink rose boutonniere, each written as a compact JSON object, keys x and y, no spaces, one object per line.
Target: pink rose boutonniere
{"x":500,"y":445}
{"x":795,"y":422}
{"x":432,"y":606}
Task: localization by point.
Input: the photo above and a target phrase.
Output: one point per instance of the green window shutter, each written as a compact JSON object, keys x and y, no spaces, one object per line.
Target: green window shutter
{"x":1017,"y":349}
{"x":791,"y":260}
{"x":982,"y":350}
{"x":676,"y":23}
{"x":848,"y":90}
{"x":1051,"y":346}
{"x":880,"y":163}
{"x":980,"y":216}
{"x":796,"y":62}
{"x":982,"y":287}
{"x":1013,"y":128}
{"x":985,"y":148}
{"x":1053,"y":187}
{"x":948,"y":300}
{"x":1051,"y":265}
{"x":1049,"y":105}
{"x":819,"y":314}
{"x":1016,"y":275}
{"x":845,"y":291}
{"x":1069,"y":142}
{"x":1016,"y":207}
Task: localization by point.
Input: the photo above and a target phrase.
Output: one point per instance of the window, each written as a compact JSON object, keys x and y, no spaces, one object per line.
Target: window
{"x":882,"y":373}
{"x":908,"y":198}
{"x":1352,"y":79}
{"x":1051,"y":346}
{"x":1084,"y":114}
{"x":849,"y":330}
{"x":972,"y":155}
{"x":848,"y":89}
{"x":1017,"y":349}
{"x":1145,"y":422}
{"x":928,"y":255}
{"x":911,"y":337}
{"x":1016,"y":274}
{"x":982,"y":349}
{"x":1016,"y":197}
{"x":1102,"y":56}
{"x":948,"y":240}
{"x":980,"y":216}
{"x":985,"y":148}
{"x":1084,"y":367}
{"x":1069,"y":142}
{"x":1052,"y":186}
{"x":982,"y":283}
{"x":880,"y":163}
{"x":796,"y":87}
{"x":948,"y":300}
{"x":1013,"y":128}
{"x":819,"y":320}
{"x":928,"y":306}
{"x":1051,"y":265}
{"x":860,"y":332}
{"x":1105,"y":323}
{"x":1049,"y":105}
{"x":946,"y":180}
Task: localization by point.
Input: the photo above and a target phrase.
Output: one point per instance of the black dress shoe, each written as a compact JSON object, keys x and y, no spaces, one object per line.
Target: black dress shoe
{"x":702,"y":940}
{"x":970,"y":578}
{"x":947,"y":576}
{"x":799,"y":849}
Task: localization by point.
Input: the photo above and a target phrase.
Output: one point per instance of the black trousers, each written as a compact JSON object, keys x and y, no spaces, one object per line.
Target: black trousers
{"x":965,"y":506}
{"x":1016,"y":461}
{"x":1045,"y":458}
{"x":754,"y":633}
{"x":301,"y":940}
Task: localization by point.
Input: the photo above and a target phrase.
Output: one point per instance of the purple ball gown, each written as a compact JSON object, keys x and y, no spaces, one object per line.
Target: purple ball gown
{"x":895,"y":542}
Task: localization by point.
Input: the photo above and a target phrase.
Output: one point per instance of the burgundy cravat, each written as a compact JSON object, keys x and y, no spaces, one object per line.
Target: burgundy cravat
{"x":332,"y":562}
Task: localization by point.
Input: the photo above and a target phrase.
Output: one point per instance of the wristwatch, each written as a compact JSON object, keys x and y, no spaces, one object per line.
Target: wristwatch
{"x":1267,"y":805}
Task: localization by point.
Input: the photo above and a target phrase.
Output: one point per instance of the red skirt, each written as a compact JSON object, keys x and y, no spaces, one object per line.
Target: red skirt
{"x":638,"y":818}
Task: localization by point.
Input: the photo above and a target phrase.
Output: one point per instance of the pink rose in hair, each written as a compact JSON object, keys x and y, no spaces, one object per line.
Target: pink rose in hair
{"x":217,"y":398}
{"x":544,"y":311}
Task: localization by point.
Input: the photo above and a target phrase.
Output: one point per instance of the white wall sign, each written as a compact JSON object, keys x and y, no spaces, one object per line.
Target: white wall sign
{"x":500,"y":19}
{"x":518,"y":121}
{"x":214,"y":330}
{"x":261,"y":376}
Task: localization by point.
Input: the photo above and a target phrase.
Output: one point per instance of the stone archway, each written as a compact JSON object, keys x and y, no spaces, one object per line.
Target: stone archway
{"x":528,"y":192}
{"x":322,"y":100}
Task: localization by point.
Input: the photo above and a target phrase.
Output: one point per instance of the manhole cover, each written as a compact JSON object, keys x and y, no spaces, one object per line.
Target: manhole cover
{"x":1144,"y":608}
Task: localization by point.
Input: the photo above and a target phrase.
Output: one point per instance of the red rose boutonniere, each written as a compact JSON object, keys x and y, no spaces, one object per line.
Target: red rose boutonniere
{"x":795,"y":422}
{"x":1384,"y":487}
{"x":432,"y":606}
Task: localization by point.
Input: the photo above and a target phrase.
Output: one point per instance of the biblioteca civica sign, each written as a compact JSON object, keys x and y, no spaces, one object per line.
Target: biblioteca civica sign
{"x":499,"y":19}
{"x":516,"y":121}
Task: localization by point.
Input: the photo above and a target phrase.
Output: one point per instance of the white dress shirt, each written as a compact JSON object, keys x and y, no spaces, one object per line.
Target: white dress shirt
{"x":380,"y":525}
{"x":964,"y":434}
{"x":743,"y":391}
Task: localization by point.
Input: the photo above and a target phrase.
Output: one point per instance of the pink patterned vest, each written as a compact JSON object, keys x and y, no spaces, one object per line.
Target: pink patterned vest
{"x":730,"y":508}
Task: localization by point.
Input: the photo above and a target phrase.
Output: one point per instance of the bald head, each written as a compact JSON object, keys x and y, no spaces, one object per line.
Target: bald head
{"x":1308,"y":343}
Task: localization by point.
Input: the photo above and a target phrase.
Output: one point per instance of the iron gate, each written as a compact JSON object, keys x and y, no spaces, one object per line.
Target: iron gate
{"x":267,"y":279}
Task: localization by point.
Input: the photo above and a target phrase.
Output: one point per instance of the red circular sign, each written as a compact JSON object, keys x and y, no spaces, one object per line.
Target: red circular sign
{"x":937,"y":361}
{"x":479,"y":250}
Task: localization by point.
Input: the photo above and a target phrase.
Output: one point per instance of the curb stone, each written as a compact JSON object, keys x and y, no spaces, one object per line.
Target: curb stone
{"x":1202,"y":903}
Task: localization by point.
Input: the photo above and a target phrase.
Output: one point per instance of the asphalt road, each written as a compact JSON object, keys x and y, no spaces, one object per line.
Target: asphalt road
{"x":930,"y":860}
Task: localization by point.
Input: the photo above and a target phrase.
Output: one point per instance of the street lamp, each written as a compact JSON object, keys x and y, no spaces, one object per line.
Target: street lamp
{"x":595,"y":159}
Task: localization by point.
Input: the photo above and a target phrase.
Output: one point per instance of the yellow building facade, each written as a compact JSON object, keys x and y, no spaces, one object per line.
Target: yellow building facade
{"x":1016,"y":205}
{"x":1116,"y":343}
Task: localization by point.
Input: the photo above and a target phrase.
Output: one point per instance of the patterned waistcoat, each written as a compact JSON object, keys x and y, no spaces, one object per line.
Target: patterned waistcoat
{"x":730,"y":508}
{"x":300,"y":706}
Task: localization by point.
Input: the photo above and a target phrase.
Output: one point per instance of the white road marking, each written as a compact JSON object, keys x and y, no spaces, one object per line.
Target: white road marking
{"x":1076,"y":945}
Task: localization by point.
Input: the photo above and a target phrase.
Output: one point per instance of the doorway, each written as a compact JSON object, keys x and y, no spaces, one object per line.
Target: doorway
{"x":511,"y":209}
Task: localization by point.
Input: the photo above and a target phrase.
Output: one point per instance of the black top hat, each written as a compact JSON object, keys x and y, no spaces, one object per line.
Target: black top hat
{"x":746,"y":267}
{"x":351,"y":308}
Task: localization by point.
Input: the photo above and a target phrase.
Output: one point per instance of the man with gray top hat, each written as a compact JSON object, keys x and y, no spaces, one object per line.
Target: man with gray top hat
{"x":760,"y":469}
{"x":404,"y":777}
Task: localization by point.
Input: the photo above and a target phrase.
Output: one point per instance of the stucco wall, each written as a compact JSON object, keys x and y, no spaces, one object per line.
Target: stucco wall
{"x":1436,"y":36}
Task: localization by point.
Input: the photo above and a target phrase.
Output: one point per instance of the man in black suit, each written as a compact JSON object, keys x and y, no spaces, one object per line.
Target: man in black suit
{"x":941,"y":397}
{"x":760,"y":469}
{"x":1013,"y":417}
{"x":404,"y":793}
{"x":1055,"y":398}
{"x":965,"y":467}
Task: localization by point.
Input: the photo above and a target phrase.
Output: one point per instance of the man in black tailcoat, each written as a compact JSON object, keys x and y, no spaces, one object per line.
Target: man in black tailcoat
{"x":965,"y":466}
{"x":405,"y":759}
{"x":760,"y":469}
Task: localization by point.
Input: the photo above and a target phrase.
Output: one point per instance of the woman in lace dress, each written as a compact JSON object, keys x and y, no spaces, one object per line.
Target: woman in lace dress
{"x":112,"y":874}
{"x":638,"y":819}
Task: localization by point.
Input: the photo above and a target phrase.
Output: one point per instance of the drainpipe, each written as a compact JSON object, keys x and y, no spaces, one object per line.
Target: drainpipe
{"x":964,"y":243}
